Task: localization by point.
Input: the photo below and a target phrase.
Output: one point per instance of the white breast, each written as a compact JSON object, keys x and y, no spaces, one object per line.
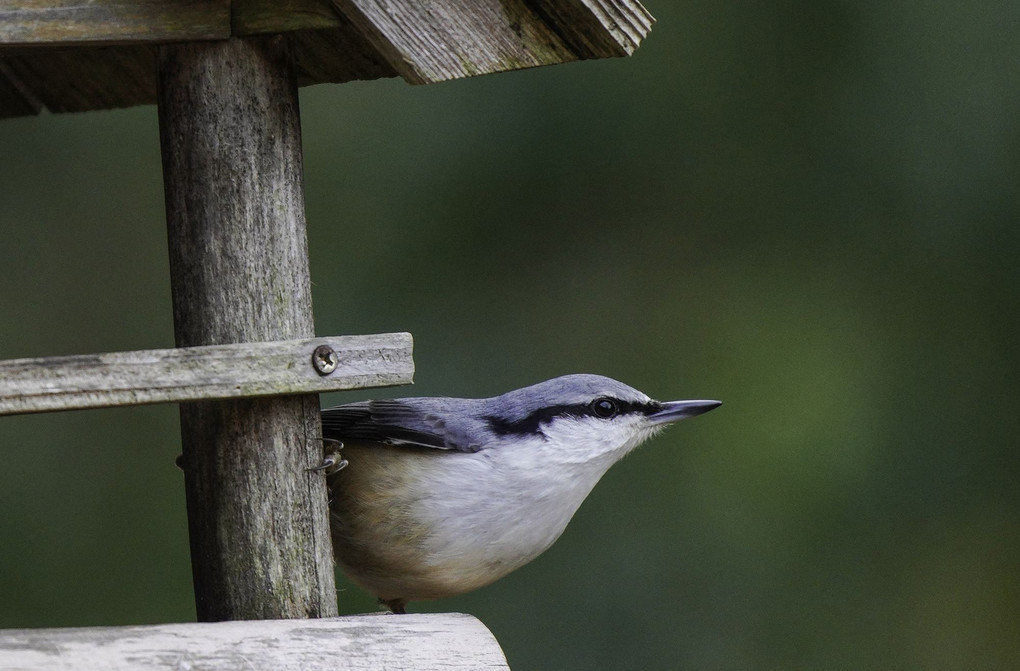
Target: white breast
{"x":495,"y":510}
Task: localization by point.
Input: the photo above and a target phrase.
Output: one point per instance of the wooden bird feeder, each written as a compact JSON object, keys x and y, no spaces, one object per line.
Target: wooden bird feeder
{"x":247,"y":367}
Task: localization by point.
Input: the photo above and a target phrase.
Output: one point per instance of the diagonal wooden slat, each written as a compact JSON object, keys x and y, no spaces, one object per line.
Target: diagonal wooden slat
{"x":428,"y":42}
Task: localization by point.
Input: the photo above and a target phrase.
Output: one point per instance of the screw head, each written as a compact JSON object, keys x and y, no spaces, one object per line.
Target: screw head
{"x":325,"y":359}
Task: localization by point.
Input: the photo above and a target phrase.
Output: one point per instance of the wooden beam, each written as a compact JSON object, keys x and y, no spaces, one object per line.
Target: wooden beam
{"x":231,"y":140}
{"x":68,"y":22}
{"x":433,"y":42}
{"x":202,"y":373}
{"x":253,"y":17}
{"x":71,"y":22}
{"x":436,"y":642}
{"x":429,"y":42}
{"x":597,"y":28}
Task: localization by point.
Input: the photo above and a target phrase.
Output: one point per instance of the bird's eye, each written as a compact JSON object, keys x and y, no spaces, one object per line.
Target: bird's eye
{"x":604,"y":407}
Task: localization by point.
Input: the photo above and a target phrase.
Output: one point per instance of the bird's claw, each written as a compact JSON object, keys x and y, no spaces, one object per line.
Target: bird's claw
{"x":331,"y":461}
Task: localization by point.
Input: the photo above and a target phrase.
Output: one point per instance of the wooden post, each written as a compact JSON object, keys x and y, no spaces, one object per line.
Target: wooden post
{"x":231,"y":142}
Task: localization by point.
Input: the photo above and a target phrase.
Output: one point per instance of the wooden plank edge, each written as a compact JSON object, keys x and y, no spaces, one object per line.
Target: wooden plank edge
{"x":447,"y":641}
{"x":143,"y":22}
{"x":256,"y":17}
{"x":597,"y":28}
{"x":210,"y":372}
{"x":426,"y":46}
{"x":125,"y":22}
{"x":613,"y":27}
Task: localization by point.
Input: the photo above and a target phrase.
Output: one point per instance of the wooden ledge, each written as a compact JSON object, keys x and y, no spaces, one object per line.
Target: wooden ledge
{"x":447,"y":641}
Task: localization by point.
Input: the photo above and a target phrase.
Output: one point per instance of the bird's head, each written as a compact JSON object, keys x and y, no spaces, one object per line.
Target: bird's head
{"x":583,"y":418}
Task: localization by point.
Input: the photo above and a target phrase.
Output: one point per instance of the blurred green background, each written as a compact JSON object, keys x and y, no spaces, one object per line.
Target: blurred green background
{"x":807,"y":210}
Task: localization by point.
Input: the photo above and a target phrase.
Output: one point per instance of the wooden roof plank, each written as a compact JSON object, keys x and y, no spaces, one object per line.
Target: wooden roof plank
{"x":100,"y":54}
{"x":336,"y":55}
{"x":77,"y":80}
{"x":433,"y":42}
{"x":254,"y":17}
{"x":67,"y":22}
{"x":598,"y":28}
{"x":16,"y":97}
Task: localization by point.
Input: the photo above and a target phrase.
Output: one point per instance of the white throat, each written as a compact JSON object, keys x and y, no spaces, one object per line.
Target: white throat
{"x":530,"y":488}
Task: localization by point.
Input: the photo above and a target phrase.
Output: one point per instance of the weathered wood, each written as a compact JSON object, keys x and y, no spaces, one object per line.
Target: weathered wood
{"x":76,"y":80}
{"x":337,"y":55}
{"x":597,"y":28}
{"x":432,"y":42}
{"x":252,"y":17}
{"x":334,"y":41}
{"x":231,"y":141}
{"x":446,"y":642}
{"x":201,"y":373}
{"x":592,"y":28}
{"x":70,"y":22}
{"x":50,"y":22}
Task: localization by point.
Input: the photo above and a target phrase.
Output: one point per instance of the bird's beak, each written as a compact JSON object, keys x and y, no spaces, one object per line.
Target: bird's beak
{"x":673,"y":411}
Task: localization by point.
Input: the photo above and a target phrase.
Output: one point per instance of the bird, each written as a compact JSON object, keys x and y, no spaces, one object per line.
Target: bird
{"x":436,"y":496}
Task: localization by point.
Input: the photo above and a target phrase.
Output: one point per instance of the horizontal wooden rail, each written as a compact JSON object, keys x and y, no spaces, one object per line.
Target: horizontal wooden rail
{"x":205,"y":373}
{"x":447,"y":641}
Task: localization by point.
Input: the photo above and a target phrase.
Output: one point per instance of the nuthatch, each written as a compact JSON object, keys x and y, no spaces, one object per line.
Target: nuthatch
{"x":440,"y":496}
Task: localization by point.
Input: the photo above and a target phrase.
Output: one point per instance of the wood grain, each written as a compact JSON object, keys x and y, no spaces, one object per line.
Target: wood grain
{"x":231,"y":142}
{"x":429,"y":42}
{"x":253,"y":17}
{"x":99,"y":54}
{"x":50,"y":22}
{"x":436,"y":642}
{"x":201,"y":373}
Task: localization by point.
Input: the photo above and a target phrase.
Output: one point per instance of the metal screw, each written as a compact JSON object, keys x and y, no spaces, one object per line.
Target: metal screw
{"x":325,"y":359}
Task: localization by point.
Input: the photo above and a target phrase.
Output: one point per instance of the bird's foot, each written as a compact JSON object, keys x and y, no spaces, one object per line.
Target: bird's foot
{"x":396,"y":606}
{"x":331,"y":461}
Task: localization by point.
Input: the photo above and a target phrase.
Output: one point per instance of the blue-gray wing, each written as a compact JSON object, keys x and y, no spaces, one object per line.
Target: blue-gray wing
{"x":404,"y":422}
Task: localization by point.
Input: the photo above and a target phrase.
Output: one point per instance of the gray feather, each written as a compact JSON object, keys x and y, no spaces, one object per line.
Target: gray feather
{"x":464,"y":424}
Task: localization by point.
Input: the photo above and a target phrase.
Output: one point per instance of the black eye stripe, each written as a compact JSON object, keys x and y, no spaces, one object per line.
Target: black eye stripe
{"x":532,"y":423}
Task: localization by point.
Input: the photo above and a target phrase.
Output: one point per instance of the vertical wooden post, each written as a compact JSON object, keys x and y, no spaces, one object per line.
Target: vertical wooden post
{"x":231,"y":141}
